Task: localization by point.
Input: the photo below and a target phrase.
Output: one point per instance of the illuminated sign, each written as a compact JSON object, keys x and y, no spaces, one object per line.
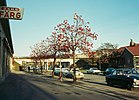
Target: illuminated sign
{"x":11,"y":13}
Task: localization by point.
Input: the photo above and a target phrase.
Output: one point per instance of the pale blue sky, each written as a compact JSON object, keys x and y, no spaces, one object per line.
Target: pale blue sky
{"x":115,"y":21}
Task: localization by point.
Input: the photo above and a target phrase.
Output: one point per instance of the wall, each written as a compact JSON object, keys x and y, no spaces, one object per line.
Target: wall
{"x":6,"y":47}
{"x":0,"y":51}
{"x":128,"y":58}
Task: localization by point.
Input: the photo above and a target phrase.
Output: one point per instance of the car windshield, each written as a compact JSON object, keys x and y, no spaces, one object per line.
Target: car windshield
{"x":109,"y":69}
{"x":130,"y":71}
{"x":57,"y":70}
{"x":93,"y":68}
{"x":64,"y":70}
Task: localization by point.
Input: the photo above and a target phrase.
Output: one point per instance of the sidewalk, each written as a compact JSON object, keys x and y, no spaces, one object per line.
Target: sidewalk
{"x":48,"y":75}
{"x":17,"y":87}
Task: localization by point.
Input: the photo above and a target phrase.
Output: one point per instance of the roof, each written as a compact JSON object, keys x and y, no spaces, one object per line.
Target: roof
{"x":133,"y":49}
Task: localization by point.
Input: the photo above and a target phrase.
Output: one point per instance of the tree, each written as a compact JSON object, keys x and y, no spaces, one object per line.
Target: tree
{"x":104,"y":52}
{"x":108,"y":46}
{"x":56,"y":45}
{"x":77,"y":37}
{"x":39,"y":52}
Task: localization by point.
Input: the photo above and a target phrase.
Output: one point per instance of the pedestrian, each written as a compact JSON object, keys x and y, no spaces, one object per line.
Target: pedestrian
{"x":28,"y":69}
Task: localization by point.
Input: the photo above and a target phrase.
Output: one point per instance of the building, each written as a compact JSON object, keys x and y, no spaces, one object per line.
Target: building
{"x":6,"y":46}
{"x":131,"y":56}
{"x":127,"y":56}
{"x":45,"y":63}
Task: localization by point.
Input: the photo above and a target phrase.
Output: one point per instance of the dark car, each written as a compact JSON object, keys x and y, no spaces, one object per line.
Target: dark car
{"x":69,"y":75}
{"x":57,"y":72}
{"x":125,"y":77}
{"x":108,"y":71}
{"x":137,"y":70}
{"x":79,"y":75}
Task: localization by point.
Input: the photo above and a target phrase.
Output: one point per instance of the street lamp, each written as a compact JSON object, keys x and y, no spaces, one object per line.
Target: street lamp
{"x":60,"y":75}
{"x":99,"y":63}
{"x":99,"y":59}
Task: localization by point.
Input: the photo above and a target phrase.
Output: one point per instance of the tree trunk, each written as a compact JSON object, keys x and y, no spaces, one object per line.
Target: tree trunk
{"x":54,"y":65}
{"x":74,"y":67}
{"x":41,"y":65}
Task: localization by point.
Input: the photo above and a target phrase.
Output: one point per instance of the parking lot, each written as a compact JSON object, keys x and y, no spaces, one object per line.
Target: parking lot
{"x":95,"y":78}
{"x":100,"y":80}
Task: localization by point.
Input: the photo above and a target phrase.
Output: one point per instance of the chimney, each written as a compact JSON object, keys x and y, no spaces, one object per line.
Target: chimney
{"x":132,"y":43}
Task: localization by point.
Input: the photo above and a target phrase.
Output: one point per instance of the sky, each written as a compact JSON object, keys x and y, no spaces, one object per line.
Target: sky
{"x":115,"y":21}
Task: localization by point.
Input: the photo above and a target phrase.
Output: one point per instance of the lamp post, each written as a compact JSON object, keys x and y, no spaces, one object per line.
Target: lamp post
{"x":60,"y":73}
{"x":99,"y":60}
{"x":99,"y":63}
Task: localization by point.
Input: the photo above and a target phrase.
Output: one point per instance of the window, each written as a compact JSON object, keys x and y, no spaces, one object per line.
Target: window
{"x":127,"y":72}
{"x":134,"y":72}
{"x":119,"y":72}
{"x":114,"y":73}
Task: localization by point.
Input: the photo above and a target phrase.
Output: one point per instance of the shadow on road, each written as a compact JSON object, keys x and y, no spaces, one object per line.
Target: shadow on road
{"x":17,"y":88}
{"x":26,"y":87}
{"x":100,"y":83}
{"x":107,"y":92}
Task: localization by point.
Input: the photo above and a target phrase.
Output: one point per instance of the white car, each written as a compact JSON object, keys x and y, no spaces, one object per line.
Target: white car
{"x":93,"y":71}
{"x":79,"y":75}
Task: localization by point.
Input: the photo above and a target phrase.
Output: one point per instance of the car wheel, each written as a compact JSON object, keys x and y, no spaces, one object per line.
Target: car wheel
{"x":109,"y":83}
{"x":129,"y":86}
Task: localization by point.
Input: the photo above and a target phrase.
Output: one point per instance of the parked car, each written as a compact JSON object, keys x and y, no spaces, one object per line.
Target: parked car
{"x":93,"y":71}
{"x":69,"y":74}
{"x":108,"y":71}
{"x":57,"y":71}
{"x":125,"y":77}
{"x":65,"y":71}
{"x":137,"y":70}
{"x":79,"y":75}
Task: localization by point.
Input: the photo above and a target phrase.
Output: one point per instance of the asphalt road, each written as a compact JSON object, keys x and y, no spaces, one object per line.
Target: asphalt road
{"x":24,"y":86}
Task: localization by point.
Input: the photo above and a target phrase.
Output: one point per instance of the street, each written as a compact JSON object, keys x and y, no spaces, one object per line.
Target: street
{"x":61,"y":50}
{"x":29,"y":86}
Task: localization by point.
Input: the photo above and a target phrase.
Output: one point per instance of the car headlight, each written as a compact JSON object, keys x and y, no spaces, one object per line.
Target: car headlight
{"x":135,"y":80}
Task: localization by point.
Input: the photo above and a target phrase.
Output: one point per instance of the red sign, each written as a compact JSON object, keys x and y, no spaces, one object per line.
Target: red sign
{"x":11,"y":13}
